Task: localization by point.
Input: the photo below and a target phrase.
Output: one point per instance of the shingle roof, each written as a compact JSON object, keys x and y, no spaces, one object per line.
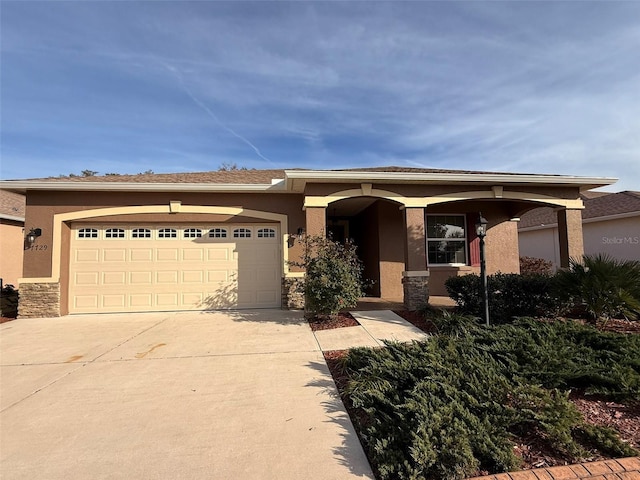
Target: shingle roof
{"x":218,"y":176}
{"x":596,"y":204}
{"x":11,"y":204}
{"x":248,"y":176}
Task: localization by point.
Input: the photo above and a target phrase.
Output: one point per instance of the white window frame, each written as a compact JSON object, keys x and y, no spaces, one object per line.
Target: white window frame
{"x":454,"y":239}
{"x":266,"y":232}
{"x":163,"y":233}
{"x":140,"y":233}
{"x":87,"y":233}
{"x":192,"y":232}
{"x":115,"y":233}
{"x":242,"y":232}
{"x":218,"y":232}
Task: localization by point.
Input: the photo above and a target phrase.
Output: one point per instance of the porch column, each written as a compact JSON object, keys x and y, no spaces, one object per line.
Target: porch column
{"x":316,"y":220}
{"x":570,"y":238}
{"x":415,"y":279}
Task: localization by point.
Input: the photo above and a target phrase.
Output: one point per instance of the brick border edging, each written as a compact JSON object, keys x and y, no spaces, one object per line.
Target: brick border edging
{"x":617,"y":469}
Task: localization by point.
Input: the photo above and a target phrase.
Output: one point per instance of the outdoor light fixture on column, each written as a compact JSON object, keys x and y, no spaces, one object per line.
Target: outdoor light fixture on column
{"x":481,"y":231}
{"x":32,"y":235}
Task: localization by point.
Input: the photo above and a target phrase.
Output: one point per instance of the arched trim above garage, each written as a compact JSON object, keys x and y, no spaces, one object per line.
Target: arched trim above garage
{"x":173,"y":207}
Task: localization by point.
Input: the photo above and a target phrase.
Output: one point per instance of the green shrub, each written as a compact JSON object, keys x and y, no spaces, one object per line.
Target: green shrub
{"x":604,"y":286}
{"x":510,"y":295}
{"x":333,"y":278}
{"x":448,"y":407}
{"x":567,"y":355}
{"x":9,"y":301}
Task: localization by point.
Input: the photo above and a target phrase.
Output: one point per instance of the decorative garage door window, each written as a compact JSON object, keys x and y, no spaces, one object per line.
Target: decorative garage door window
{"x":266,"y":233}
{"x":192,"y":233}
{"x":167,"y":233}
{"x":114,"y":233}
{"x":88,"y":233}
{"x":141,"y":233}
{"x":446,"y":240}
{"x":242,"y":233}
{"x":218,"y":233}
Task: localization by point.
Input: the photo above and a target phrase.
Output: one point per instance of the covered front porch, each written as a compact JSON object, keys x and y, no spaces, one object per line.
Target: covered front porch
{"x":409,"y":252}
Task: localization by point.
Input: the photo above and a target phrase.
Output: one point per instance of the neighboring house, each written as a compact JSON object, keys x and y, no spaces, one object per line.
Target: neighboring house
{"x":11,"y":236}
{"x":610,"y":224}
{"x":225,"y":239}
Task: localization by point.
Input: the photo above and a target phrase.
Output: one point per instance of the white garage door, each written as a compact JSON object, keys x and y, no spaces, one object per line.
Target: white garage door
{"x":136,"y":268}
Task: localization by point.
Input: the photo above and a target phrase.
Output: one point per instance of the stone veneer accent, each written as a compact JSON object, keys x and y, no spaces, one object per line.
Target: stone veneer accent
{"x":293,"y":293}
{"x":39,"y":300}
{"x":416,"y":291}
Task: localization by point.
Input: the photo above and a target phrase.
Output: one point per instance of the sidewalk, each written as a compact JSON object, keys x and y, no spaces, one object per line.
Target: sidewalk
{"x":375,"y":327}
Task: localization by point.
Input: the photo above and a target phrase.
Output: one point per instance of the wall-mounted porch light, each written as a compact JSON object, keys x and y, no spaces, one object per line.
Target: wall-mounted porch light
{"x":296,"y":236}
{"x":481,"y":231}
{"x":34,"y":233}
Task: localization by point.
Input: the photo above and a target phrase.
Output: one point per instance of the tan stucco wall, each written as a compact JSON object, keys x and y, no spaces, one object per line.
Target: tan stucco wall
{"x":391,"y":236}
{"x":41,"y":206}
{"x":415,"y":252}
{"x":619,"y":237}
{"x":570,"y":235}
{"x":11,"y":251}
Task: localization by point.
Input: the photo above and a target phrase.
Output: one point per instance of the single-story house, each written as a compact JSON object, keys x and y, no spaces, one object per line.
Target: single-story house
{"x":225,"y":239}
{"x":610,"y":225}
{"x":12,"y":207}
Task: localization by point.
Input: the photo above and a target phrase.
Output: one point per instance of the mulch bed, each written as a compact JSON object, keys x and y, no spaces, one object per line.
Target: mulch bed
{"x":325,"y":322}
{"x":5,"y":319}
{"x":624,"y":418}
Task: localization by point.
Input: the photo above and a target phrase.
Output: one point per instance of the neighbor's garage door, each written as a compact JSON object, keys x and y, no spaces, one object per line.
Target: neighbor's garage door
{"x":135,"y":268}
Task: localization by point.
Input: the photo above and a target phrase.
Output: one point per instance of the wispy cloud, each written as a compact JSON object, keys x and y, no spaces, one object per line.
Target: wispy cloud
{"x":535,"y":87}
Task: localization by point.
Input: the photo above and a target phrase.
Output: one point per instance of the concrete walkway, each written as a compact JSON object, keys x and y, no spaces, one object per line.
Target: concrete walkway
{"x":375,"y":327}
{"x":243,"y":395}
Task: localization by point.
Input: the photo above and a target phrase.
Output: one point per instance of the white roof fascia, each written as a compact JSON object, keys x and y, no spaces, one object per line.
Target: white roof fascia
{"x":23,"y":185}
{"x":12,"y":218}
{"x":323,"y":176}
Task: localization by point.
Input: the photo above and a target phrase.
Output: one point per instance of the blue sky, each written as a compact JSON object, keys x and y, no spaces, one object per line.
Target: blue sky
{"x":172,"y":86}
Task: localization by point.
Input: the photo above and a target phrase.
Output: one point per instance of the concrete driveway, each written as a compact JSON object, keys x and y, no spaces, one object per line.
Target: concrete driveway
{"x":238,"y":395}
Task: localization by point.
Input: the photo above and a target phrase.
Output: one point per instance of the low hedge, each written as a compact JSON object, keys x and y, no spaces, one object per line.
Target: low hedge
{"x":510,"y":295}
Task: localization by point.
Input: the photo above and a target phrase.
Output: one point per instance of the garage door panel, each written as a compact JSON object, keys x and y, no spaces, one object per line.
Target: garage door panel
{"x":141,"y":301}
{"x":87,"y":278}
{"x":192,"y":299}
{"x":219,"y":253}
{"x":140,"y":278}
{"x":193,"y":276}
{"x":114,"y":255}
{"x":193,"y":254}
{"x":87,"y":255}
{"x":214,"y":276}
{"x":167,"y":254}
{"x":117,"y":301}
{"x":141,"y":254}
{"x":86,"y":301}
{"x":167,"y":299}
{"x":114,"y":278}
{"x":134,"y":273}
{"x":167,"y":277}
